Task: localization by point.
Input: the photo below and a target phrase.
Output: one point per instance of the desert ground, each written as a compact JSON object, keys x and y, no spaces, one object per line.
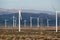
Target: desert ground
{"x":29,"y":33}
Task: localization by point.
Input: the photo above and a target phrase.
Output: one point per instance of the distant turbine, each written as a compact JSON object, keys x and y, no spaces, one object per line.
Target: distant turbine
{"x":30,"y":21}
{"x":57,"y":21}
{"x":24,"y":23}
{"x":19,"y":20}
{"x":56,"y":18}
{"x":38,"y":22}
{"x":41,"y":21}
{"x":13,"y":21}
{"x":47,"y":22}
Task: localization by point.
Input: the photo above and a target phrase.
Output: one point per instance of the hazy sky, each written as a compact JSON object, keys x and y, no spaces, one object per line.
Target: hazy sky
{"x":31,"y":4}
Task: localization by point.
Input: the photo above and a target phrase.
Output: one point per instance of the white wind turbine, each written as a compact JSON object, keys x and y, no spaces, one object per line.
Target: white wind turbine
{"x":47,"y":22}
{"x":24,"y":23}
{"x":38,"y":22}
{"x":13,"y":21}
{"x":56,"y":18}
{"x":57,"y":21}
{"x":41,"y":22}
{"x":19,"y":20}
{"x":30,"y":21}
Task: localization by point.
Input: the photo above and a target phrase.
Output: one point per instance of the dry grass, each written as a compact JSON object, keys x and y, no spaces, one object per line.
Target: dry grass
{"x":28,"y":33}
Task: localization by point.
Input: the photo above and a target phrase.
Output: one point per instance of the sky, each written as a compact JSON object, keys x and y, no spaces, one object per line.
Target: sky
{"x":49,"y":5}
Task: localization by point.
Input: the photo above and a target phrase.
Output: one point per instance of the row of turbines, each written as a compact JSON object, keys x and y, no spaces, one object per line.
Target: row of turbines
{"x":37,"y":21}
{"x":38,"y":24}
{"x":14,"y":21}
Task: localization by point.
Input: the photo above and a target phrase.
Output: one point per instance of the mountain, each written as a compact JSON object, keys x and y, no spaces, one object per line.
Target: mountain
{"x":24,"y":10}
{"x":26,"y":14}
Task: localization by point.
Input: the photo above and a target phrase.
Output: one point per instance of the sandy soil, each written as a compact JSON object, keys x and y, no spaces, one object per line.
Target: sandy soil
{"x":52,"y":28}
{"x":28,"y":33}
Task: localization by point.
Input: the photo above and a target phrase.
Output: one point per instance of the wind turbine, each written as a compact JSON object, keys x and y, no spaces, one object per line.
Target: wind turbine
{"x":30,"y":21}
{"x":13,"y":21}
{"x":19,"y":20}
{"x":24,"y":23}
{"x":56,"y":19}
{"x":38,"y":22}
{"x":47,"y":22}
{"x":41,"y":22}
{"x":56,"y":22}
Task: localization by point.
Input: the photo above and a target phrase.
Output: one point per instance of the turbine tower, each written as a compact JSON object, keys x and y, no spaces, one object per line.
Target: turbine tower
{"x":19,"y":20}
{"x":56,"y":22}
{"x":41,"y":22}
{"x":38,"y":22}
{"x":56,"y":19}
{"x":47,"y":22}
{"x":24,"y":23}
{"x":13,"y":21}
{"x":30,"y":21}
